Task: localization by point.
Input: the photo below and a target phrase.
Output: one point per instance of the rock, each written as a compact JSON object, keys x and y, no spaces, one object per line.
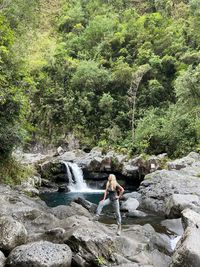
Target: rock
{"x":53,"y":170}
{"x":178,"y":202}
{"x":68,"y":156}
{"x":12,"y":234}
{"x":174,"y":225}
{"x":190,"y":218}
{"x":91,"y":241}
{"x":162,"y":242}
{"x":135,"y":195}
{"x":187,"y":252}
{"x":130,"y":205}
{"x":191,"y":159}
{"x":159,"y":259}
{"x":40,"y":254}
{"x":137,"y":214}
{"x":95,"y":164}
{"x":91,"y":207}
{"x":129,"y":170}
{"x":61,"y":212}
{"x":2,"y":259}
{"x":63,"y":188}
{"x":161,"y":185}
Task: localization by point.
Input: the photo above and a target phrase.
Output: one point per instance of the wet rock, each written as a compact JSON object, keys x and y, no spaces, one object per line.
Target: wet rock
{"x":12,"y":234}
{"x":40,"y":254}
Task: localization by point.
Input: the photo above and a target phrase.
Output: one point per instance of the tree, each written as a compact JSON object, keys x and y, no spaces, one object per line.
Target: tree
{"x":132,"y":92}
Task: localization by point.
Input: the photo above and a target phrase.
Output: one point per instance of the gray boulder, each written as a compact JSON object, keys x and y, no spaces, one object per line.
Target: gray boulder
{"x":159,"y":186}
{"x":190,"y":218}
{"x":190,"y":160}
{"x":174,"y":225}
{"x":178,"y":202}
{"x":40,"y":254}
{"x":89,"y":241}
{"x":187,"y":252}
{"x":2,"y":259}
{"x":131,"y":204}
{"x":137,"y":214}
{"x":135,"y":195}
{"x":12,"y":234}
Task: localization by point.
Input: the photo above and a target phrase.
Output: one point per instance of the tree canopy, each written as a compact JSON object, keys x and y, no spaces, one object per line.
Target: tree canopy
{"x":67,"y":67}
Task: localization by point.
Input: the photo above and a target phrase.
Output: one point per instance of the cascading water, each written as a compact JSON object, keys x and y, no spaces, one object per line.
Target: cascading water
{"x":75,"y":175}
{"x":76,"y":181}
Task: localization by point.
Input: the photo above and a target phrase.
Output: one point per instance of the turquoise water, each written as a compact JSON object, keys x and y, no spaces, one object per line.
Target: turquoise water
{"x":54,"y":199}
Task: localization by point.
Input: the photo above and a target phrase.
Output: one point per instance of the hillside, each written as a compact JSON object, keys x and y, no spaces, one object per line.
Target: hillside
{"x":118,"y":74}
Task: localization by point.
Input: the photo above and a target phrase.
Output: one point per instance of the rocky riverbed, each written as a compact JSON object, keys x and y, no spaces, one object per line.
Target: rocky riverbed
{"x":33,"y":234}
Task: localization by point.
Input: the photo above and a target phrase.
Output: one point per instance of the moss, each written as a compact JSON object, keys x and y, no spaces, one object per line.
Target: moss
{"x":100,"y":261}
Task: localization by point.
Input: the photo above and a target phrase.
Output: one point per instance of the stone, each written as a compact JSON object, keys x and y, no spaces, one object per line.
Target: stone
{"x":178,"y":202}
{"x":40,"y":254}
{"x":2,"y":259}
{"x":174,"y":225}
{"x":135,"y":195}
{"x":190,"y":218}
{"x":159,"y":186}
{"x":130,"y":205}
{"x":187,"y":252}
{"x":191,"y":159}
{"x":137,"y":214}
{"x":12,"y":234}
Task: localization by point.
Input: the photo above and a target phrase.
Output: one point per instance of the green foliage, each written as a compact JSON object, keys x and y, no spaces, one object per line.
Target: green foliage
{"x":67,"y":67}
{"x":100,"y":261}
{"x":13,"y":173}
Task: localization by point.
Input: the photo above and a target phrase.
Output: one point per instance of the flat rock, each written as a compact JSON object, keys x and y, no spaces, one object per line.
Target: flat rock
{"x":40,"y":254}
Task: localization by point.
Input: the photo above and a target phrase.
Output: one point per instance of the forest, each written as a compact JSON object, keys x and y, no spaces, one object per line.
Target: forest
{"x":118,"y":74}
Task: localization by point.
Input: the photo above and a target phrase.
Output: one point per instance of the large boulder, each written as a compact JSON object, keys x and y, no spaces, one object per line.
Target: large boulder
{"x":159,"y":186}
{"x":12,"y":234}
{"x":187,"y":252}
{"x":191,"y":159}
{"x":89,"y":241}
{"x":178,"y":202}
{"x":40,"y":254}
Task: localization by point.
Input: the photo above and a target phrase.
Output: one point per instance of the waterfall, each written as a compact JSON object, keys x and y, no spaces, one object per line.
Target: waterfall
{"x":75,"y":175}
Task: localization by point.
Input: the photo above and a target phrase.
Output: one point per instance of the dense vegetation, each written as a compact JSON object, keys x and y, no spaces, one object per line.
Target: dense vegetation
{"x":114,"y":73}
